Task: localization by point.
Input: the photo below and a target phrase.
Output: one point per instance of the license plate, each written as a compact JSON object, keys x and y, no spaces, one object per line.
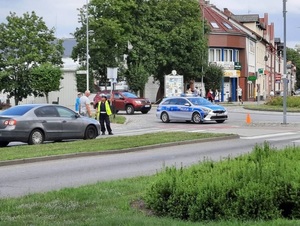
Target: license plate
{"x":147,"y":105}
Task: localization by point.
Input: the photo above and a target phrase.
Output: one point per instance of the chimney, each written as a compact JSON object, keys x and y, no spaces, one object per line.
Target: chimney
{"x":227,"y":12}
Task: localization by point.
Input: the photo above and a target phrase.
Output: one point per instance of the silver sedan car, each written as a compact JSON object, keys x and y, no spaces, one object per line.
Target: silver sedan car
{"x":36,"y":123}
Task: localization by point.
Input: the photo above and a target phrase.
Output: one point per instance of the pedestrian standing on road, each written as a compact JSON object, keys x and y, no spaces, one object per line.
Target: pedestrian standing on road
{"x":103,"y":113}
{"x":217,"y":94}
{"x":240,"y":93}
{"x":77,"y":102}
{"x":85,"y":109}
{"x":210,"y":95}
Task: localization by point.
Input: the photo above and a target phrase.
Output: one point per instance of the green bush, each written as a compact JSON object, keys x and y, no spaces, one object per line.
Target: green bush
{"x":263,"y":185}
{"x":292,"y":101}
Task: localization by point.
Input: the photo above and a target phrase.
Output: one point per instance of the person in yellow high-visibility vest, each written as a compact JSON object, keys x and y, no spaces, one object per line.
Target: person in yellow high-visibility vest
{"x":103,"y":113}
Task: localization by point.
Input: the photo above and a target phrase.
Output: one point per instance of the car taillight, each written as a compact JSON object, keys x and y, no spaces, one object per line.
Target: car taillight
{"x":10,"y":122}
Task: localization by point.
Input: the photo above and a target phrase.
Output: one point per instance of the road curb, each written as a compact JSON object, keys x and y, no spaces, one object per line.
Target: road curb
{"x":127,"y":150}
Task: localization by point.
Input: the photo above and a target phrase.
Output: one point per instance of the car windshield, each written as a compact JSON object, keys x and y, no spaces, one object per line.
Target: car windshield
{"x":199,"y":101}
{"x":129,"y":95}
{"x":17,"y":110}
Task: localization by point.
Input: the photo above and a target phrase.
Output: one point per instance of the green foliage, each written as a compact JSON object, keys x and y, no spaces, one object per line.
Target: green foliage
{"x":177,"y":37}
{"x":81,"y":81}
{"x":101,"y":145}
{"x":213,"y":77}
{"x":26,"y":42}
{"x":263,"y":185}
{"x":294,"y":56}
{"x":292,"y":101}
{"x":137,"y":77}
{"x":165,"y":35}
{"x":46,"y":78}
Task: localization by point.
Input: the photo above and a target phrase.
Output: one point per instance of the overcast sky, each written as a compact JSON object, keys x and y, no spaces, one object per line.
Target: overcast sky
{"x":63,"y":14}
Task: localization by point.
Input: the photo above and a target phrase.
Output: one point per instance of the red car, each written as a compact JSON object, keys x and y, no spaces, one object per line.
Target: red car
{"x":125,"y":101}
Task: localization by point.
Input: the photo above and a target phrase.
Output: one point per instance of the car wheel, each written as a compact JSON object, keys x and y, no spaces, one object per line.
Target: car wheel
{"x":90,"y":133}
{"x":36,"y":137}
{"x":165,"y":117}
{"x":196,"y":118}
{"x":144,"y":112}
{"x":129,"y":109}
{"x":3,"y":143}
{"x":220,"y":121}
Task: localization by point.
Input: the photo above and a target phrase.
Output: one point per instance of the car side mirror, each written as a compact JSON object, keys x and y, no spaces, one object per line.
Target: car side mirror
{"x":77,"y":115}
{"x":187,"y":104}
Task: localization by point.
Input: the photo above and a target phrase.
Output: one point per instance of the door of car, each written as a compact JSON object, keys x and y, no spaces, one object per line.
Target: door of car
{"x":184,"y":112}
{"x":173,"y":109}
{"x":49,"y":120}
{"x":72,"y":126}
{"x":118,"y":101}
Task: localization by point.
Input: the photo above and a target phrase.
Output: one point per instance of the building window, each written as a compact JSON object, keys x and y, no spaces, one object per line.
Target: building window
{"x":227,"y":25}
{"x":237,"y":56}
{"x":211,"y":55}
{"x":218,"y":56}
{"x":228,"y":55}
{"x":214,"y":25}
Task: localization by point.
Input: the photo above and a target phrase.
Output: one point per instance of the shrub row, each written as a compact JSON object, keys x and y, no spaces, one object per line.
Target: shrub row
{"x":292,"y":101}
{"x":262,"y":185}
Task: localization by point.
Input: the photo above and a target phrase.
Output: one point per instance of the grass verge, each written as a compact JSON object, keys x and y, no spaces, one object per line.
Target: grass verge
{"x":105,"y":204}
{"x":99,"y":145}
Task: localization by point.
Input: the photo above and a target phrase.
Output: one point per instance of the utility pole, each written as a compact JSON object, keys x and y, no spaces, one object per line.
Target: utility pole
{"x":87,"y":45}
{"x":284,"y":63}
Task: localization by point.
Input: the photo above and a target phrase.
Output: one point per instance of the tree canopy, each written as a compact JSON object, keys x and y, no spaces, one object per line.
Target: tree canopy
{"x":165,"y":35}
{"x":26,"y":42}
{"x":294,"y":56}
{"x":46,"y":78}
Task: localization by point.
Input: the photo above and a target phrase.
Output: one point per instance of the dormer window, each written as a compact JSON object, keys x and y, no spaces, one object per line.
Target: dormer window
{"x":214,"y":25}
{"x":227,"y":25}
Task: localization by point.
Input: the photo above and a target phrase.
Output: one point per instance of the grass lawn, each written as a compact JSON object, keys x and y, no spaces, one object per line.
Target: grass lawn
{"x":107,"y":203}
{"x":99,"y":145}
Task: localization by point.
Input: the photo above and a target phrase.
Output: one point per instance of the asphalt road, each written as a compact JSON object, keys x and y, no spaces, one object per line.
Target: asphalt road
{"x":19,"y":180}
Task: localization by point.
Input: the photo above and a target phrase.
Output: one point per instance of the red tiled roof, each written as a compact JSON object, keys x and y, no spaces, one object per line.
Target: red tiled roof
{"x":214,"y":16}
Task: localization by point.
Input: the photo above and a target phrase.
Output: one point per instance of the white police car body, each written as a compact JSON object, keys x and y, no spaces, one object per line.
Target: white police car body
{"x":190,"y":108}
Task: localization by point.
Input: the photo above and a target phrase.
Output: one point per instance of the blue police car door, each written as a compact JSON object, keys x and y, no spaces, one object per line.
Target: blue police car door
{"x":185,"y":111}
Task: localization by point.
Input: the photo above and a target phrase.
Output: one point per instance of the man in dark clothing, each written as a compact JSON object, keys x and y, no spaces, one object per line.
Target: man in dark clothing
{"x":103,"y":113}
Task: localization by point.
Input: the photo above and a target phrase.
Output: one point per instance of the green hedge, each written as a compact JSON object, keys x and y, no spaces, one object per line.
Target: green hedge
{"x":292,"y":101}
{"x":263,"y":185}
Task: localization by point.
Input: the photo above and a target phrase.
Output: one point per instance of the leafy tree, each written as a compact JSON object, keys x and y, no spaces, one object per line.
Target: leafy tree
{"x":109,"y":26}
{"x":26,"y":42}
{"x":46,"y":78}
{"x":178,"y":38}
{"x":294,"y":56}
{"x":213,"y":77}
{"x":137,"y":77}
{"x":165,"y":35}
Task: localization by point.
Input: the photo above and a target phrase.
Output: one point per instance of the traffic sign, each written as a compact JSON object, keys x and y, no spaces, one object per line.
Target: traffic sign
{"x":252,"y":78}
{"x":81,"y":72}
{"x":237,"y":66}
{"x":260,"y":70}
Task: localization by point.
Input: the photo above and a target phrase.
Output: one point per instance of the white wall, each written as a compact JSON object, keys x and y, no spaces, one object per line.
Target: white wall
{"x":151,"y":89}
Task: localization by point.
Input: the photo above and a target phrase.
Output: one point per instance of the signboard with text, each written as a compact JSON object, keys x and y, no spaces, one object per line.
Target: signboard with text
{"x":173,"y":85}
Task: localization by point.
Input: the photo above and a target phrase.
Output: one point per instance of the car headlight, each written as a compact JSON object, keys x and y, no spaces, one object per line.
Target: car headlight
{"x":138,"y":101}
{"x":206,"y":110}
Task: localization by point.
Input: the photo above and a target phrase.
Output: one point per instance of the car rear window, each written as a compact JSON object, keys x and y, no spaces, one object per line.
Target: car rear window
{"x":17,"y":110}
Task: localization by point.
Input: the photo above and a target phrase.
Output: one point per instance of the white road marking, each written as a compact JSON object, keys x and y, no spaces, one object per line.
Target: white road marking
{"x":268,"y":136}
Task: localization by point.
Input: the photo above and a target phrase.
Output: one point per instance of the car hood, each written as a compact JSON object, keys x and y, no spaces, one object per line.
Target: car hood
{"x":213,"y":107}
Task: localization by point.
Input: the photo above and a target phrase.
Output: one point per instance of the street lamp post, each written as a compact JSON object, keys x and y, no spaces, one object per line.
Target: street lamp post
{"x":87,"y":45}
{"x":284,"y":63}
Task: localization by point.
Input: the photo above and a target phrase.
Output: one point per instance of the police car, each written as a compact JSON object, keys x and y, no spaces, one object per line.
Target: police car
{"x":190,"y":108}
